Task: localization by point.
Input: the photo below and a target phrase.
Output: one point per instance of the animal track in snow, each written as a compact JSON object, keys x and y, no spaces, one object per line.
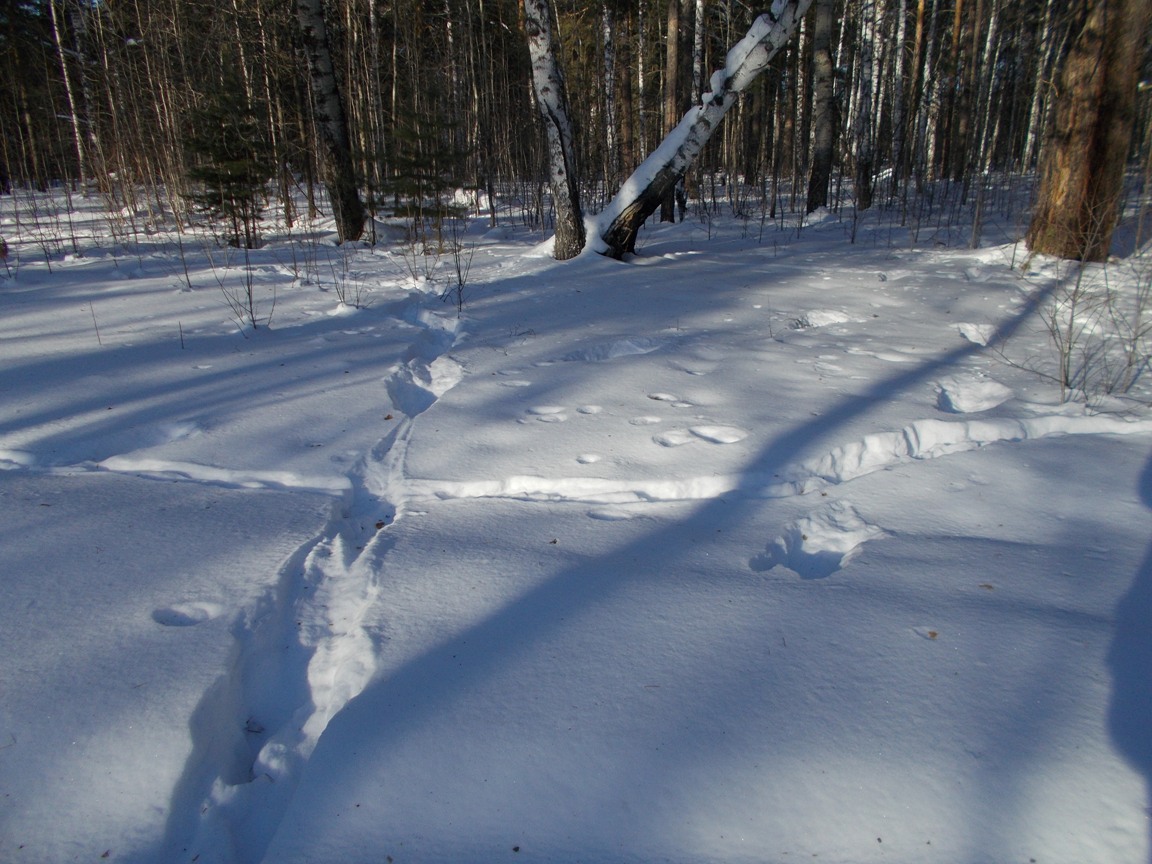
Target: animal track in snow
{"x":548,"y":413}
{"x":187,"y":614}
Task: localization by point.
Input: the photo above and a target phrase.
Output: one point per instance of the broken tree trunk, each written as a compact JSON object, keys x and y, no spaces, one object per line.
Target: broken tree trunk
{"x":657,"y":176}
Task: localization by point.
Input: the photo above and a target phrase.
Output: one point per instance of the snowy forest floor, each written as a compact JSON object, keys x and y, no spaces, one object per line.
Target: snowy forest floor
{"x":763,"y":546}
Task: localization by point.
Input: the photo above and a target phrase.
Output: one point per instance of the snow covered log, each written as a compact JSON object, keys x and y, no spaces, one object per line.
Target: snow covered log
{"x":641,"y":194}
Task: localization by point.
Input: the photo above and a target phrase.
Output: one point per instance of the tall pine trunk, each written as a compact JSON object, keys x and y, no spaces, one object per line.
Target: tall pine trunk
{"x":1082,"y":167}
{"x":552,"y":101}
{"x":347,"y":208}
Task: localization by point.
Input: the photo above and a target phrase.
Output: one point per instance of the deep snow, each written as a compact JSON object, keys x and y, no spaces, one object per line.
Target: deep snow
{"x":757,"y":547}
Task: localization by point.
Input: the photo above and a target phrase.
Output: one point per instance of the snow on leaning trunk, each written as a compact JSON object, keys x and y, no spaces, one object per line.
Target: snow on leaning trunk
{"x":642,"y":193}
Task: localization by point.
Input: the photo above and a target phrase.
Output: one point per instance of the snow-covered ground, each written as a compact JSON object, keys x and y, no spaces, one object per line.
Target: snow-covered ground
{"x":759,"y":547}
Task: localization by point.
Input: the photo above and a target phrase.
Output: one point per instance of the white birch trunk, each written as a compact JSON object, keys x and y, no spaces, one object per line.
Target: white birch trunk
{"x":698,"y":50}
{"x":930,"y":104}
{"x":608,"y":30}
{"x":898,"y":112}
{"x":73,"y":108}
{"x":1037,"y":114}
{"x":552,"y":102}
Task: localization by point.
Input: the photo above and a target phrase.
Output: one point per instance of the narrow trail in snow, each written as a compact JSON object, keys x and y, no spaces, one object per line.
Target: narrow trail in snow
{"x":313,"y":647}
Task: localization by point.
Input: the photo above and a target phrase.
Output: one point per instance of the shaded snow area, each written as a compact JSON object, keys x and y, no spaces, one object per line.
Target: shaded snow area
{"x":734,"y":552}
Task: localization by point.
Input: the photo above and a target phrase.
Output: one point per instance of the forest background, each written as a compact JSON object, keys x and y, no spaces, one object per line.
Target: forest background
{"x":170,"y":107}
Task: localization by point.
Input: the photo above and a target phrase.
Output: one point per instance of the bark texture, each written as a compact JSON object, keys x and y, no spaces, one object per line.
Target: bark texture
{"x":552,"y":102}
{"x":642,"y":194}
{"x":823,"y":107}
{"x":1082,"y":167}
{"x":347,"y":208}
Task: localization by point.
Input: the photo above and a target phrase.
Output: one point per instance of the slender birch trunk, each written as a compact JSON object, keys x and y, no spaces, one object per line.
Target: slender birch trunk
{"x":69,"y":92}
{"x":865,"y":152}
{"x":552,"y":101}
{"x":823,"y":107}
{"x":331,"y":123}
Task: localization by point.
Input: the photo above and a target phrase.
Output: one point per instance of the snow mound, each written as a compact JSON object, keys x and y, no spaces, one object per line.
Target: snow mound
{"x":970,"y":395}
{"x":977,"y":334}
{"x":819,"y":544}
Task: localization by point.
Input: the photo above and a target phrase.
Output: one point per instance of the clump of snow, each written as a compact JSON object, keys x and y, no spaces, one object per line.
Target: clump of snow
{"x":819,"y":544}
{"x":978,"y":334}
{"x":969,"y":395}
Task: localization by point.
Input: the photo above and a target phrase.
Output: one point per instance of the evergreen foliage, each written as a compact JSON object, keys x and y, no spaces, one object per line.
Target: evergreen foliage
{"x":231,"y":161}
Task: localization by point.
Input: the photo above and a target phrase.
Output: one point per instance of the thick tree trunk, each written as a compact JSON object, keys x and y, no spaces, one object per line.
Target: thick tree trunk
{"x":1082,"y":168}
{"x":552,"y":100}
{"x":642,"y":194}
{"x":823,"y":107}
{"x":347,"y":208}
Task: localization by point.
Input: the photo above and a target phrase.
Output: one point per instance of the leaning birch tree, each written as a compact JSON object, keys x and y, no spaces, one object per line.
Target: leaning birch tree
{"x":552,"y":101}
{"x":657,"y":176}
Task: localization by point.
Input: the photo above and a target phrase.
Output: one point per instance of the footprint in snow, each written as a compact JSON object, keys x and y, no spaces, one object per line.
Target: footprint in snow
{"x":819,"y":544}
{"x":711,"y":434}
{"x":186,"y":614}
{"x":674,"y":401}
{"x":548,"y":413}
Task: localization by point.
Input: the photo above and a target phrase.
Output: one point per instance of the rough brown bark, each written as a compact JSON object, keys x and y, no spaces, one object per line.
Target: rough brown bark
{"x":1082,"y":168}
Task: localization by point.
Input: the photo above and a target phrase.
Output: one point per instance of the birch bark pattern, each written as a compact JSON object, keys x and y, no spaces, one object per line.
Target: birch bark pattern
{"x":552,"y":101}
{"x":657,"y":176}
{"x":347,"y":208}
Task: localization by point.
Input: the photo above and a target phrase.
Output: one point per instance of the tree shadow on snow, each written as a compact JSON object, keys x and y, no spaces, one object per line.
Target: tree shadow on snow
{"x":1130,"y":661}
